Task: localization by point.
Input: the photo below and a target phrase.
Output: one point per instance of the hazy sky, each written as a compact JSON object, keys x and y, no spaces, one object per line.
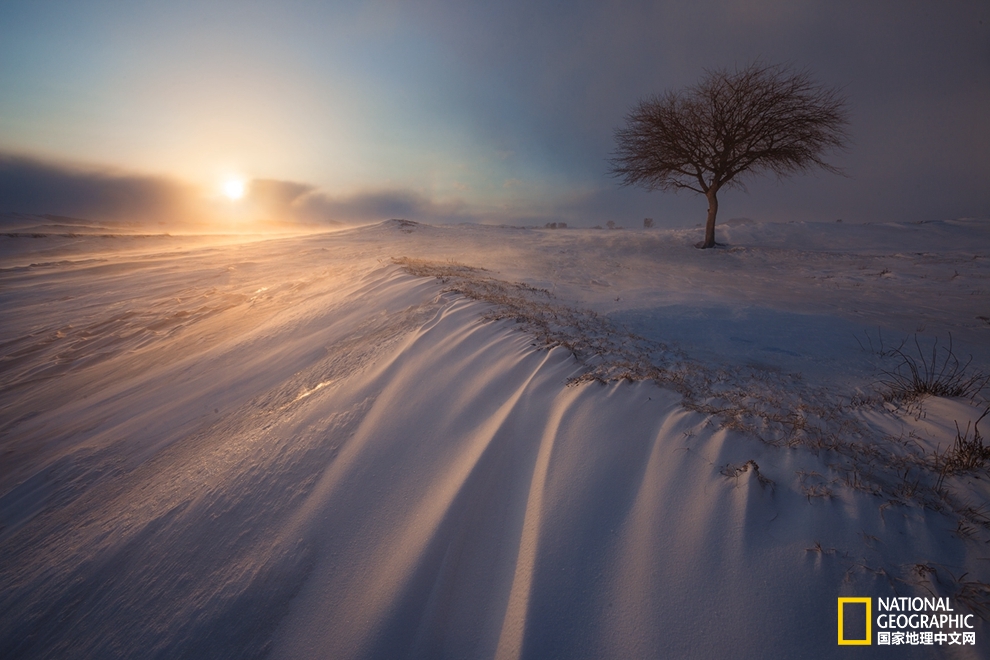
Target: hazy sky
{"x":491,"y":111}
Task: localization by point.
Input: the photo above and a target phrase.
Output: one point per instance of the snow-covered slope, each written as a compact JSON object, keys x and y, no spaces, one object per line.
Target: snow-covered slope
{"x":297,"y":447}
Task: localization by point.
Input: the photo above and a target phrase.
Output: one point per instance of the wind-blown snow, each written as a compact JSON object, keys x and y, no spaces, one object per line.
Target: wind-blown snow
{"x":296,"y":448}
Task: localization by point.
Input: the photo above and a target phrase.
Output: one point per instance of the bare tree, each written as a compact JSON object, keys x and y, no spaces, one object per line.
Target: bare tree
{"x":764,"y":118}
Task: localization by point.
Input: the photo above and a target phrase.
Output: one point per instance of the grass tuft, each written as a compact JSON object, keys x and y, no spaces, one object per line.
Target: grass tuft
{"x":917,"y":374}
{"x":965,"y":455}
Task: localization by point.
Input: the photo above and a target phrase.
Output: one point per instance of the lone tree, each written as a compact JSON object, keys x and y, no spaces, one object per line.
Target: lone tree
{"x":764,"y":118}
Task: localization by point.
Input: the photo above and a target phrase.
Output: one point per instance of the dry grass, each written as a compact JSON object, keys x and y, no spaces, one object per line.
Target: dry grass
{"x":608,"y":353}
{"x":820,"y":550}
{"x":965,"y":455}
{"x":975,"y":595}
{"x":918,"y":374}
{"x":735,"y":471}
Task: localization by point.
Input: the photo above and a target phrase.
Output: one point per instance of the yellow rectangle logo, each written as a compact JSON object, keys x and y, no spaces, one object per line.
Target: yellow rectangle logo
{"x":868,"y":639}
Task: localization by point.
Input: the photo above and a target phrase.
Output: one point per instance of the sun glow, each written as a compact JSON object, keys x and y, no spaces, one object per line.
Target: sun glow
{"x":234,"y":189}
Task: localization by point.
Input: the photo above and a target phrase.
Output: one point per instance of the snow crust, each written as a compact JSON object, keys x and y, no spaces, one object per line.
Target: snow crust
{"x":295,"y":448}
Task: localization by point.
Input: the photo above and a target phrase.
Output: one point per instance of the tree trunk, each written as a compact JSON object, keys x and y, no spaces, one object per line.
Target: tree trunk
{"x":709,"y":241}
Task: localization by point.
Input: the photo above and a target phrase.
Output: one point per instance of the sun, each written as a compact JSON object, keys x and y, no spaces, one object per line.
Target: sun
{"x":234,"y":189}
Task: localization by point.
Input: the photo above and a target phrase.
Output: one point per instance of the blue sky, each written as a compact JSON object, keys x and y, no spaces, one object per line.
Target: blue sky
{"x":448,"y":111}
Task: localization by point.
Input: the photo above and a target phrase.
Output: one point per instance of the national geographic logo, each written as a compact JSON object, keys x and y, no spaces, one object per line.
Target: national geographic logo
{"x":854,"y":621}
{"x":903,"y":621}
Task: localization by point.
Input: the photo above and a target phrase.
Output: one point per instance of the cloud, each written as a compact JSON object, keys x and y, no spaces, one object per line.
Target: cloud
{"x":34,"y":186}
{"x":29,"y":185}
{"x":288,"y":200}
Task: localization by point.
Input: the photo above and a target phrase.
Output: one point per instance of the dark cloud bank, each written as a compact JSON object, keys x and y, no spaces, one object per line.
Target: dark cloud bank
{"x":37,"y":187}
{"x":32,"y":186}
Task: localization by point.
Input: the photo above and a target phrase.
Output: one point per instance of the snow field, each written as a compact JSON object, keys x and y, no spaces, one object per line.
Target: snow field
{"x":295,"y":448}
